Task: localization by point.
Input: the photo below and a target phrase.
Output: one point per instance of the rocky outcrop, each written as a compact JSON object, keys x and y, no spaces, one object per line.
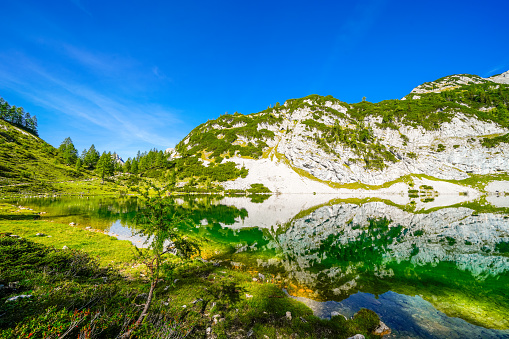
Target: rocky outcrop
{"x":501,"y":78}
{"x":303,"y":135}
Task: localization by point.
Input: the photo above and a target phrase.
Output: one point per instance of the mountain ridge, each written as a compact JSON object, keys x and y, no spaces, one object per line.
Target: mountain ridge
{"x":450,"y":129}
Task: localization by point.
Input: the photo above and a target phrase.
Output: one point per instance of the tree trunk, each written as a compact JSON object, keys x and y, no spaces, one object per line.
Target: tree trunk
{"x":144,"y":313}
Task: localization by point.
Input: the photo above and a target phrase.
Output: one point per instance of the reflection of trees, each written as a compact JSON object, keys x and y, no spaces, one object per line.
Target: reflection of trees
{"x":337,"y":258}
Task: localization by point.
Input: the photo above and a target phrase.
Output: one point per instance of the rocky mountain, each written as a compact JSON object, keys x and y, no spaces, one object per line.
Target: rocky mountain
{"x":452,"y":128}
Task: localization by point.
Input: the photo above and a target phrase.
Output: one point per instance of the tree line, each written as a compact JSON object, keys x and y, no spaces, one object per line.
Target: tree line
{"x":18,"y":117}
{"x":108,"y":163}
{"x":105,"y":164}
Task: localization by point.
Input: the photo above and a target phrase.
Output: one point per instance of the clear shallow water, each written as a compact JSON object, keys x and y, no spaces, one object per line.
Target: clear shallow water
{"x":435,"y":274}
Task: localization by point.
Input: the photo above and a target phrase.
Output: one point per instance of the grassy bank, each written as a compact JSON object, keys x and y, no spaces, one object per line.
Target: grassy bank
{"x":97,"y":287}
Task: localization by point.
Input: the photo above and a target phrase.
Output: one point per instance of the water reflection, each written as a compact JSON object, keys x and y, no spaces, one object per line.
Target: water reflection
{"x":406,"y":265}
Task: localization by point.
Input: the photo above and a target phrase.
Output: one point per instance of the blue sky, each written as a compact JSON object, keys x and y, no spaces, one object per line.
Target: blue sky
{"x":135,"y":75}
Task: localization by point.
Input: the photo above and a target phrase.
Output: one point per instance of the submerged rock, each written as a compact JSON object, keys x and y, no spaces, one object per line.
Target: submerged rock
{"x":382,"y":329}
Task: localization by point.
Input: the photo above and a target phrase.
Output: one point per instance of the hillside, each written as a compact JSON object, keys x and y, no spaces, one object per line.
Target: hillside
{"x":450,"y":129}
{"x":27,"y":160}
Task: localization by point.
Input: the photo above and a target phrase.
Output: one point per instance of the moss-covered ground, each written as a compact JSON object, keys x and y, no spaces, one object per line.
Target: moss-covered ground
{"x":97,"y":287}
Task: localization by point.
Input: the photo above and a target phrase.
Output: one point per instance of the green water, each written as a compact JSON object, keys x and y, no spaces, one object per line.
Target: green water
{"x":449,"y":260}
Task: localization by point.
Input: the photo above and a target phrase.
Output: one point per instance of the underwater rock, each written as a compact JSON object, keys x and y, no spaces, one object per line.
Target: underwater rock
{"x":382,"y":329}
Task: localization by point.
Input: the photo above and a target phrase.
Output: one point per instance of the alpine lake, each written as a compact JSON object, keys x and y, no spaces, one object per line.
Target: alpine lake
{"x":441,"y":272}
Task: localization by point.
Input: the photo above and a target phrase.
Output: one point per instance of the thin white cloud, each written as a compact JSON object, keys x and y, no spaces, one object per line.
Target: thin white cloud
{"x":127,"y":121}
{"x":497,"y":70}
{"x":100,"y":63}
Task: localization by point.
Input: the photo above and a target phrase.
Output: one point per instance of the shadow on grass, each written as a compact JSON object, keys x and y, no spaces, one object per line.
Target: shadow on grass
{"x":19,"y":217}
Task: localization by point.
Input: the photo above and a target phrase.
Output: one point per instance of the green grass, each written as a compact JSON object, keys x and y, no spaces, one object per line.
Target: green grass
{"x":109,"y":250}
{"x":72,"y":291}
{"x":25,"y":158}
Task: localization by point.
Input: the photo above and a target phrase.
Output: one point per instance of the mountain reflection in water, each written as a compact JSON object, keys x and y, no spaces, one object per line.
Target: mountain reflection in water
{"x":416,"y":270}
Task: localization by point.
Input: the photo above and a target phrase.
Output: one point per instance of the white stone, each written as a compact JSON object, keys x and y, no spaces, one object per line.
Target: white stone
{"x":289,"y":315}
{"x":22,"y":296}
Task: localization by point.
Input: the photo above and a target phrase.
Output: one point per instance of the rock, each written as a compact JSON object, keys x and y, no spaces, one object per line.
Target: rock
{"x":382,"y":329}
{"x":22,"y":296}
{"x":65,"y":247}
{"x":184,"y":306}
{"x":215,"y":317}
{"x":289,"y":315}
{"x":40,"y":234}
{"x":357,"y":336}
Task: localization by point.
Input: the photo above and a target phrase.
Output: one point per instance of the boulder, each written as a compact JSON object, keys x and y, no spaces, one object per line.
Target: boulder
{"x":382,"y":329}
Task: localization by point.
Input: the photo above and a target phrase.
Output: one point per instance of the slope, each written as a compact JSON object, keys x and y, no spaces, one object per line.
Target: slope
{"x":27,"y":160}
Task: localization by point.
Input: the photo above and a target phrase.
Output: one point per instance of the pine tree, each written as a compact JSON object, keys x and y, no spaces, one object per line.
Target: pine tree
{"x":127,"y":166}
{"x":68,"y":152}
{"x":105,"y":166}
{"x":134,"y":167}
{"x":78,"y":165}
{"x":91,"y":158}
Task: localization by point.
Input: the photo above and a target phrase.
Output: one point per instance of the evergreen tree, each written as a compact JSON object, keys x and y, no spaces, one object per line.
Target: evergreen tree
{"x":68,"y":152}
{"x":105,"y":166}
{"x":142,"y":164}
{"x":127,"y":166}
{"x":83,"y":155}
{"x":78,"y":165}
{"x":91,"y":158}
{"x":134,"y":167}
